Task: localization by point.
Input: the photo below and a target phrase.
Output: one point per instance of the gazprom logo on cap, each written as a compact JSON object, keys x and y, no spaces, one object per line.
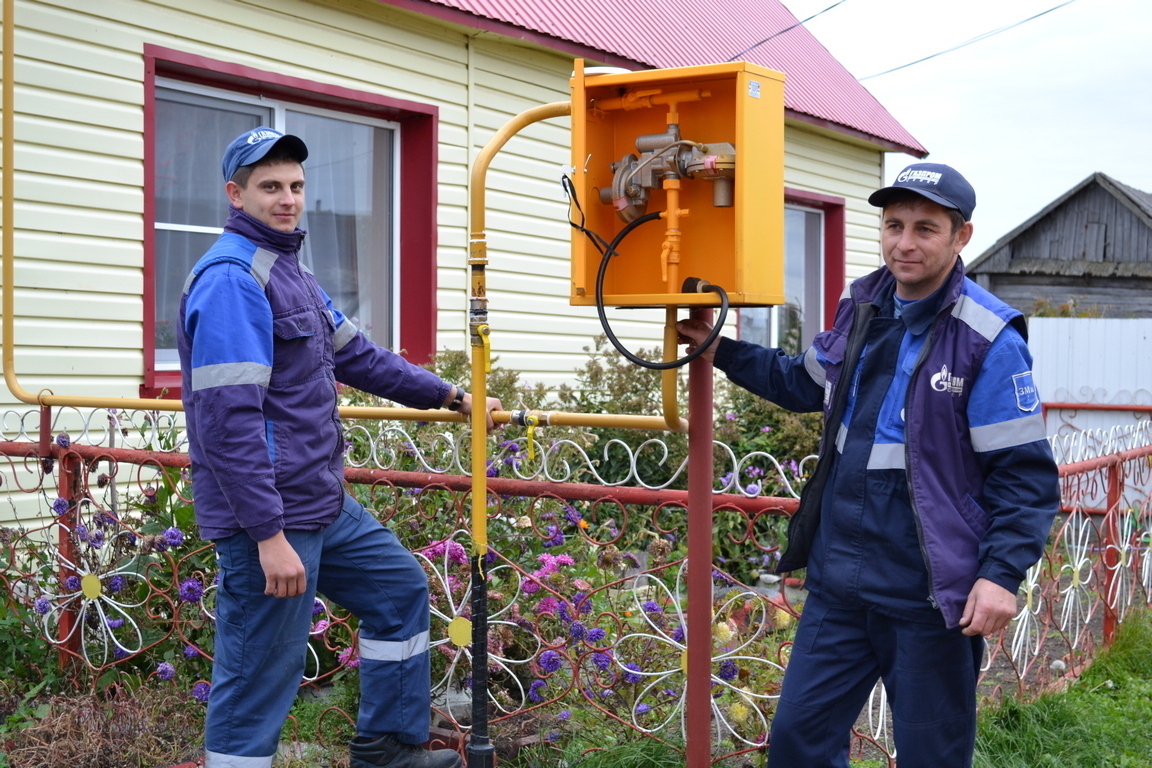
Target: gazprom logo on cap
{"x":259,"y":136}
{"x":926,"y":177}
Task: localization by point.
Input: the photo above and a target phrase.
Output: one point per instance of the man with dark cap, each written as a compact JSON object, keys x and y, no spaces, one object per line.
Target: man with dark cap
{"x":933,"y":494}
{"x":261,"y":349}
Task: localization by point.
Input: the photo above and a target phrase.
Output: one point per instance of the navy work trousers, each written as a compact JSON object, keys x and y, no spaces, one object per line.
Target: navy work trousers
{"x":261,"y":641}
{"x":929,"y":673}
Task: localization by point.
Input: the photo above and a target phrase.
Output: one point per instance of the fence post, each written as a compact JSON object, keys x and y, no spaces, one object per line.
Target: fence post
{"x":698,"y":697}
{"x":1111,"y":546}
{"x":70,"y":486}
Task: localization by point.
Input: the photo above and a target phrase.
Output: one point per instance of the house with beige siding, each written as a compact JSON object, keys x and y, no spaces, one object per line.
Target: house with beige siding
{"x":123,"y":107}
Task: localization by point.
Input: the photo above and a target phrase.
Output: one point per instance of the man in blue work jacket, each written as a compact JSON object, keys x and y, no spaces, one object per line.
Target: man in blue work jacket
{"x":934,"y":491}
{"x":261,"y":349}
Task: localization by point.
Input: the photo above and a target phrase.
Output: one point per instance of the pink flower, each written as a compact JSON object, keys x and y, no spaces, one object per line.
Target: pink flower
{"x":349,"y":658}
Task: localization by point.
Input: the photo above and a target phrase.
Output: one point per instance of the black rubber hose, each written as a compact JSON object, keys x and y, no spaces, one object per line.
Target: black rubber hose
{"x":608,"y":254}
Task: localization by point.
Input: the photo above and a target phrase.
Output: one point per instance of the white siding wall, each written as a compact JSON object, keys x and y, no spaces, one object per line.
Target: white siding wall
{"x":816,"y":162}
{"x":79,"y":171}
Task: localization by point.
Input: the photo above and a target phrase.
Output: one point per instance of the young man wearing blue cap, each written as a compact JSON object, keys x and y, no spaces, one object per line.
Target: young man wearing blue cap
{"x":933,"y":494}
{"x":261,"y":349}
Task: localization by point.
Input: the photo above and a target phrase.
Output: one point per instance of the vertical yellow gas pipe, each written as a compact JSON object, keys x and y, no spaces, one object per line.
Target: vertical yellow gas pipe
{"x":481,"y":753}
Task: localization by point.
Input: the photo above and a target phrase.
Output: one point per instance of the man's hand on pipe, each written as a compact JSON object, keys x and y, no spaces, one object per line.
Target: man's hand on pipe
{"x":693,"y":333}
{"x":492,"y":405}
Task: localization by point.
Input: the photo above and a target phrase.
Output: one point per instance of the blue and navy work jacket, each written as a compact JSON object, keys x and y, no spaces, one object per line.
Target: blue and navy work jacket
{"x":261,"y":349}
{"x":934,"y":469}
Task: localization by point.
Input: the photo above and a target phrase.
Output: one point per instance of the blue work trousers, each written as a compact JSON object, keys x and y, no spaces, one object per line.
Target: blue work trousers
{"x":929,"y":673}
{"x":261,"y":641}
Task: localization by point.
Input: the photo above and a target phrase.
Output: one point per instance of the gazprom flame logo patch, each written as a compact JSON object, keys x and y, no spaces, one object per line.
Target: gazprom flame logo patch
{"x":260,"y":136}
{"x":944,"y":381}
{"x":926,"y":177}
{"x":1027,"y":398}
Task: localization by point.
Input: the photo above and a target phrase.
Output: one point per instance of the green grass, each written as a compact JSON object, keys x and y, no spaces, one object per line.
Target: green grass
{"x":1104,"y":720}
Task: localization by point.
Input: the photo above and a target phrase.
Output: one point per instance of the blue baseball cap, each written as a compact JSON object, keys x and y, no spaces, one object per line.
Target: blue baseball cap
{"x":941,"y":184}
{"x":250,"y":146}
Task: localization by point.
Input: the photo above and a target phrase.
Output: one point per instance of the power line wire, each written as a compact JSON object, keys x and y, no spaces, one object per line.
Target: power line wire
{"x":976,"y":39}
{"x":788,"y":29}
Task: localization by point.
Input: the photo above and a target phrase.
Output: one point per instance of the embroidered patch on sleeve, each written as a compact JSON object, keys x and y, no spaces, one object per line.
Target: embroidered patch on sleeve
{"x":1027,"y":398}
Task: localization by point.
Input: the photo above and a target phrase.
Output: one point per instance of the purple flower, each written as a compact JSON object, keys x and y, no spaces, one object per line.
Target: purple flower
{"x":493,"y":468}
{"x":606,"y":693}
{"x":42,"y":605}
{"x":651,"y":606}
{"x":565,"y":615}
{"x":72,"y":583}
{"x":577,"y":631}
{"x":555,"y":537}
{"x":60,"y":506}
{"x":114,"y":623}
{"x":165,"y":671}
{"x":191,"y":590}
{"x":534,"y":690}
{"x":595,"y":635}
{"x":116,"y":584}
{"x":601,"y":660}
{"x":96,"y":539}
{"x":119,"y":653}
{"x":632,"y":677}
{"x":642,"y":708}
{"x":552,"y":736}
{"x":81,"y":532}
{"x":174,"y":537}
{"x":317,"y":606}
{"x":752,"y":489}
{"x":150,"y":495}
{"x":728,"y":670}
{"x":730,"y":417}
{"x":564,"y":714}
{"x":678,"y":634}
{"x":765,"y":430}
{"x":191,"y":651}
{"x":201,"y":690}
{"x":63,"y":440}
{"x":550,"y":661}
{"x":583,"y":604}
{"x":572,"y":516}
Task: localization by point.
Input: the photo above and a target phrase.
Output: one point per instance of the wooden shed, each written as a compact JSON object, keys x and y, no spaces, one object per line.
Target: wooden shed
{"x":1091,"y":246}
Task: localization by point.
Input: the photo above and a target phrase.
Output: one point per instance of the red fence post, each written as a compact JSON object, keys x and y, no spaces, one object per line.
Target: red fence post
{"x":698,"y":698}
{"x":70,"y":486}
{"x":1111,"y":546}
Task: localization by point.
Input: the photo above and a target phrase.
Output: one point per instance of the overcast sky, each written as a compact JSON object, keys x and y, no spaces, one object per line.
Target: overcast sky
{"x":1024,"y":115}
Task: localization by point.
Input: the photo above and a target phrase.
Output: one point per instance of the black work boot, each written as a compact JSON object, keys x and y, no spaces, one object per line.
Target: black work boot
{"x":387,"y":752}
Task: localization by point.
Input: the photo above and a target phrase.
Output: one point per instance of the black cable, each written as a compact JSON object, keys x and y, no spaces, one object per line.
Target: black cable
{"x":786,"y":29}
{"x":608,"y":254}
{"x":978,"y":38}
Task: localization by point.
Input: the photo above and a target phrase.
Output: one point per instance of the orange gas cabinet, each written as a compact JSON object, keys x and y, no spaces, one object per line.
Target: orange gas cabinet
{"x":709,"y":139}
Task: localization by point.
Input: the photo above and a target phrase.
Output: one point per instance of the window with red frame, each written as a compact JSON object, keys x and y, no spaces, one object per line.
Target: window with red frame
{"x":349,"y":200}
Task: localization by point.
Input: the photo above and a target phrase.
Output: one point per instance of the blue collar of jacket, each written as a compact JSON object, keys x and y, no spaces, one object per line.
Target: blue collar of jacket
{"x":917,"y":315}
{"x":262,"y":235}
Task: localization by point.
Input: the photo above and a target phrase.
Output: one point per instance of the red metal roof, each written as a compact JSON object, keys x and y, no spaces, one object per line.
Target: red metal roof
{"x":677,"y":33}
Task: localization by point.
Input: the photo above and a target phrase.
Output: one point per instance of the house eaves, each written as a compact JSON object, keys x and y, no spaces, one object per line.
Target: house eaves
{"x":639,"y":34}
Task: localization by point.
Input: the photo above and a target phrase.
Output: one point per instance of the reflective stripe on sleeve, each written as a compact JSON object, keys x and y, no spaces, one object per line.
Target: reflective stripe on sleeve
{"x":393,"y":650}
{"x":227,"y":374}
{"x":886,"y":456}
{"x":812,"y":365}
{"x":1008,"y":434}
{"x":217,"y":760}
{"x":344,"y":334}
{"x":979,"y":318}
{"x":841,"y":436}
